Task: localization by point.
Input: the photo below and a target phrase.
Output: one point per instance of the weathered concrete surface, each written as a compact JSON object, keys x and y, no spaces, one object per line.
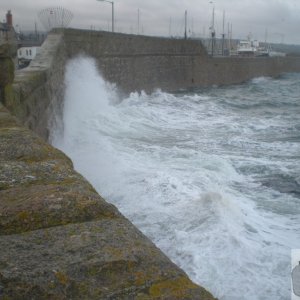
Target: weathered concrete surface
{"x":60,"y":240}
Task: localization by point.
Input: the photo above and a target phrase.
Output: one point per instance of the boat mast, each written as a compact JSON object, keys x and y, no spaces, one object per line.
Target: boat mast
{"x":223,"y":34}
{"x":213,"y":33}
{"x":229,"y":36}
{"x":185,"y":24}
{"x":138,"y":22}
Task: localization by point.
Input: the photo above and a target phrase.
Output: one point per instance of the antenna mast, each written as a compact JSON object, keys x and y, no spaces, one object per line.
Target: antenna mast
{"x":212,"y":31}
{"x":223,"y":34}
{"x":185,"y":24}
{"x":138,"y":29}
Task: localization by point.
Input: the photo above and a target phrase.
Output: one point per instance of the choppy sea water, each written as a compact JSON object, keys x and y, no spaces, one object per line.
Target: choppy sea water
{"x":211,"y":176}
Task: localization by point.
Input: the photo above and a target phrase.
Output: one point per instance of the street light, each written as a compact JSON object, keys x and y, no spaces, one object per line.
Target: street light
{"x":112,"y":13}
{"x":212,"y":29}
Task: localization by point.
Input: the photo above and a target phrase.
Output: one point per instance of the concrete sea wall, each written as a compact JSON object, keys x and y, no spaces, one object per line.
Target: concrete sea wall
{"x":58,"y":238}
{"x":138,"y":62}
{"x":145,"y":63}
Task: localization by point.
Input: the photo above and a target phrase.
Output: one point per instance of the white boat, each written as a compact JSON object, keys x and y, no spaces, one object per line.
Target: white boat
{"x":247,"y":48}
{"x":253,"y":48}
{"x":276,"y":54}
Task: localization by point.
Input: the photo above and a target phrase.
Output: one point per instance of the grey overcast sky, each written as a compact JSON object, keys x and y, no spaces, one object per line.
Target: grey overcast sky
{"x":280,"y":19}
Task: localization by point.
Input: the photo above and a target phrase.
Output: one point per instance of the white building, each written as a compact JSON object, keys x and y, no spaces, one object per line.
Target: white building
{"x":27,"y":54}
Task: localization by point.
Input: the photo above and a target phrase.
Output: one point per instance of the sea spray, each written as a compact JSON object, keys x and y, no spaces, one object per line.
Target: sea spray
{"x":196,"y":172}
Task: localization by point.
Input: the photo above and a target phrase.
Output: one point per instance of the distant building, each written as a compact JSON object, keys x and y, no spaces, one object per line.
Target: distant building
{"x":28,"y":43}
{"x":7,"y":32}
{"x":8,"y":35}
{"x":26,"y":54}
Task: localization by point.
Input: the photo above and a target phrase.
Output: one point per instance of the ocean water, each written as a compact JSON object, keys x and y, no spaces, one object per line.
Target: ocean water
{"x":211,"y":176}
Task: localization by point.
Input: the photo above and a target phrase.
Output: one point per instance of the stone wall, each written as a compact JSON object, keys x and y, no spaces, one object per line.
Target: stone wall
{"x":232,"y":70}
{"x":8,"y":37}
{"x":7,"y":70}
{"x":39,"y":87}
{"x":138,"y":62}
{"x":146,"y":63}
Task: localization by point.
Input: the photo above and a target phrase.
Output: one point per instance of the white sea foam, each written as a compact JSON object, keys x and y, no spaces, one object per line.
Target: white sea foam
{"x":185,"y":169}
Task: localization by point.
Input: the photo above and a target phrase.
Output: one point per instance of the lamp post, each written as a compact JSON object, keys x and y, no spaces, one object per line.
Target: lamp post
{"x":212,"y":29}
{"x":185,"y":24}
{"x":112,"y":13}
